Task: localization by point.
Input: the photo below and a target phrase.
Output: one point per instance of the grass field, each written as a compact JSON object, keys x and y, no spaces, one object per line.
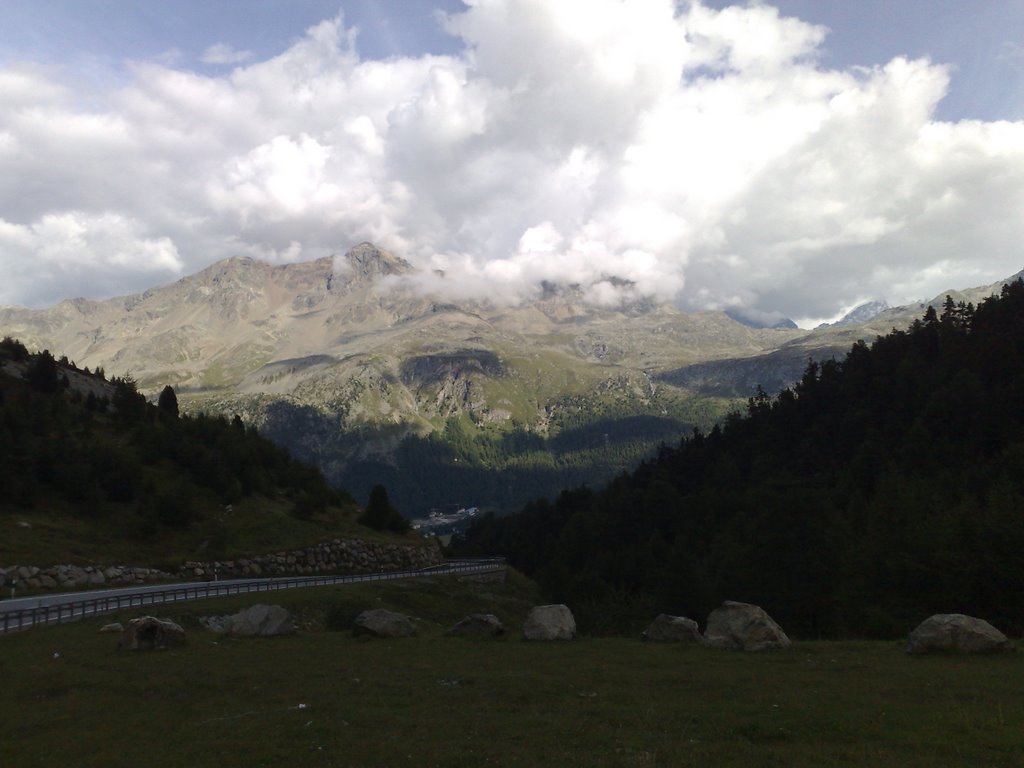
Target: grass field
{"x":324,"y":698}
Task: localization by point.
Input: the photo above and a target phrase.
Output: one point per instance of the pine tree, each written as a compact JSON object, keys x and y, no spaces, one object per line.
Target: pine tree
{"x":168,"y":401}
{"x":380,"y":515}
{"x":42,"y":373}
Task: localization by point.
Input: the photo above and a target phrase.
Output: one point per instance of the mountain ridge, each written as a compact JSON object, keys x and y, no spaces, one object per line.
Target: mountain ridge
{"x":317,"y":352}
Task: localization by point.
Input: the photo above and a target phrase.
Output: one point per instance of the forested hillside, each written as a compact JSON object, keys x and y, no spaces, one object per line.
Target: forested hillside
{"x":504,"y":469}
{"x":874,"y":492}
{"x":88,"y":459}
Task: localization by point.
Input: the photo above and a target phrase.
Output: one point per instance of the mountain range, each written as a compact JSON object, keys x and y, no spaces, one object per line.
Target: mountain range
{"x":343,"y":361}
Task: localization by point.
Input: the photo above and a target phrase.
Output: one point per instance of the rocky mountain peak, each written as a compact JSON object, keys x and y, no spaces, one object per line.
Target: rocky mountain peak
{"x":367,"y":261}
{"x":862,"y":313}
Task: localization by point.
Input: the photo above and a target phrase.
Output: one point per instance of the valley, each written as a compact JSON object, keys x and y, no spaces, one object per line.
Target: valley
{"x":353,"y":368}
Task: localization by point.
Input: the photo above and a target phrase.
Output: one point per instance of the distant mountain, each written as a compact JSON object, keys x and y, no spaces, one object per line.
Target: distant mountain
{"x":760,"y":320}
{"x":348,"y":366}
{"x":739,"y":377}
{"x":344,"y":362}
{"x":859,"y":314}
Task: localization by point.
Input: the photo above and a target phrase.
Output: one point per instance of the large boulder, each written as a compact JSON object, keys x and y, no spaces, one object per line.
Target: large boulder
{"x":743,"y":627}
{"x":672,"y":629}
{"x":256,"y":620}
{"x":380,"y":622}
{"x":549,"y":622}
{"x":956,"y":633}
{"x":149,"y":632}
{"x":478,"y":625}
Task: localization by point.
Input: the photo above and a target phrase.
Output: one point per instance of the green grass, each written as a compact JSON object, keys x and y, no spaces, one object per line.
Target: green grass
{"x":324,"y":698}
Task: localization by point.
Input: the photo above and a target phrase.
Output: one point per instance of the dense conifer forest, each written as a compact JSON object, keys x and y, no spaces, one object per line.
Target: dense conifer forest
{"x":72,"y":440}
{"x":876,"y":491}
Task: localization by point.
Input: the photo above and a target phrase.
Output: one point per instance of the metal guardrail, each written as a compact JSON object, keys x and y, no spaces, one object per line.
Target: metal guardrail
{"x":79,"y":606}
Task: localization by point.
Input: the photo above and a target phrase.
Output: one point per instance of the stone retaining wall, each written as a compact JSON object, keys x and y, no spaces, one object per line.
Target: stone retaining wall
{"x":337,"y":556}
{"x":77,"y":577}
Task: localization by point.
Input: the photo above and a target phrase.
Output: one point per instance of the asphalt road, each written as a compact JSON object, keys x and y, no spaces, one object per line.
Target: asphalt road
{"x":42,"y":609}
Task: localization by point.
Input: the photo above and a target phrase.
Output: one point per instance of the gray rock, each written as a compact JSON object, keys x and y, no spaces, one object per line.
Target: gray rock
{"x":743,"y":627}
{"x":254,"y":621}
{"x":117,"y":626}
{"x":672,"y":629}
{"x":149,"y":632}
{"x":263,"y":620}
{"x":478,"y":625}
{"x":956,"y":633}
{"x":380,"y":622}
{"x":549,"y":622}
{"x":219,"y":624}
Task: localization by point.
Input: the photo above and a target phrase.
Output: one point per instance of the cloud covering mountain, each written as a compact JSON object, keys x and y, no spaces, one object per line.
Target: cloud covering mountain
{"x":635,"y":149}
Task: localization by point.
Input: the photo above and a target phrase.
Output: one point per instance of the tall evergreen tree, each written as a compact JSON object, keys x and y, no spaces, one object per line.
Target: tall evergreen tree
{"x":42,"y":373}
{"x":380,"y":515}
{"x":168,"y":401}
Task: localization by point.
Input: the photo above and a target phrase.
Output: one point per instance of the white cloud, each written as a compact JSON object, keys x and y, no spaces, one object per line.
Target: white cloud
{"x":640,"y":148}
{"x":92,"y":252}
{"x":222,"y":53}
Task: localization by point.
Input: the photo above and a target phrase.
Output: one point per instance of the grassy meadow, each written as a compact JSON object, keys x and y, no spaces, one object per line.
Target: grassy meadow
{"x":323,"y":698}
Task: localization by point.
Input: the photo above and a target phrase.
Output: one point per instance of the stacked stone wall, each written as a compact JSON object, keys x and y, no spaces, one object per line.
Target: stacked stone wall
{"x":34,"y":577}
{"x":337,"y":556}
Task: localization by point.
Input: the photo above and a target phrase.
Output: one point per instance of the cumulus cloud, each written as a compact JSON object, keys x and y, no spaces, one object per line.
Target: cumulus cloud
{"x":98,"y":253}
{"x":222,"y":53}
{"x":634,"y":149}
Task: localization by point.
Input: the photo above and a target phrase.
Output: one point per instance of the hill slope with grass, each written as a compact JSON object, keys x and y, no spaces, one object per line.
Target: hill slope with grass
{"x":90,"y":472}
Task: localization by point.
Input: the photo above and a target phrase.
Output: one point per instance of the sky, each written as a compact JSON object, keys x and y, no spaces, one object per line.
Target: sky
{"x":786,"y":159}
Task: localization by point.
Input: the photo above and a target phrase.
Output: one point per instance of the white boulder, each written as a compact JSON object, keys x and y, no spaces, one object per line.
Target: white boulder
{"x":743,"y":627}
{"x":957,"y":633}
{"x":549,"y":622}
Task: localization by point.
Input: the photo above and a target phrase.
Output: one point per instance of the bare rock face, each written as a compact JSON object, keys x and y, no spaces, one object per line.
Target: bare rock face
{"x":256,"y":620}
{"x":672,"y":629}
{"x":368,"y":261}
{"x":483,"y":625}
{"x":549,"y":622}
{"x":956,"y":633}
{"x":149,"y":632}
{"x":743,"y":627}
{"x":380,"y":622}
